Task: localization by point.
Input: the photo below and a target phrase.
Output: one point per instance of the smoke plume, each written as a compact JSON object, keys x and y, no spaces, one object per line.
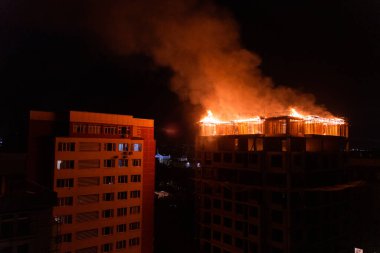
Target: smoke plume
{"x":200,"y":43}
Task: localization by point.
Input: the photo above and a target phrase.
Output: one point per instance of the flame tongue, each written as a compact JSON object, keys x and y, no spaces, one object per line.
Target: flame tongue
{"x":210,"y":119}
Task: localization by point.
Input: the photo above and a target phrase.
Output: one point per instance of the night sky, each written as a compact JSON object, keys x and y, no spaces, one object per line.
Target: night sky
{"x":59,"y":55}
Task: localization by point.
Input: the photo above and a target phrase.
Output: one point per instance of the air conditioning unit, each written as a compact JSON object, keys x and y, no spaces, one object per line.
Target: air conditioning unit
{"x":130,"y":153}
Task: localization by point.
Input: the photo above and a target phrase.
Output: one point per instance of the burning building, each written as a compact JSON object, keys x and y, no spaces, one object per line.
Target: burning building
{"x":274,"y":184}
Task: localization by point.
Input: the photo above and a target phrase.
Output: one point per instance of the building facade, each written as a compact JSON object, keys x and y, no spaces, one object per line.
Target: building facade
{"x":102,"y":168}
{"x":279,"y":190}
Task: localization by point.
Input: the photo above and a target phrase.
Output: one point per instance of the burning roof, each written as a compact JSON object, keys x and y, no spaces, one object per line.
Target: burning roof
{"x":294,"y":124}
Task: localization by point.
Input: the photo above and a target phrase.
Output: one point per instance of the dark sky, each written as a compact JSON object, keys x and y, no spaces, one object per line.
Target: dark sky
{"x":52,"y":59}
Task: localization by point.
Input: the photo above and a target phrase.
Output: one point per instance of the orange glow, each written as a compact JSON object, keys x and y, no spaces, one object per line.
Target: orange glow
{"x":210,"y":119}
{"x":295,"y":123}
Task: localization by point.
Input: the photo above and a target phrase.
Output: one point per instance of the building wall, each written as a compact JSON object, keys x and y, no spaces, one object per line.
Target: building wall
{"x":103,"y":173}
{"x":279,"y":194}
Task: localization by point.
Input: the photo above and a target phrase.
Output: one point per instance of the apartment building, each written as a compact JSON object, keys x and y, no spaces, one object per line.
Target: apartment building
{"x":102,"y":168}
{"x":282,"y":186}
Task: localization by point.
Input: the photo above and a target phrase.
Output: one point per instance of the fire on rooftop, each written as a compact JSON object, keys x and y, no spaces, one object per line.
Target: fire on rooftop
{"x":294,"y":124}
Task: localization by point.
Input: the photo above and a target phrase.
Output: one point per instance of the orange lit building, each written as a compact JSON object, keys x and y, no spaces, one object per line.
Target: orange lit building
{"x":102,"y":168}
{"x":280,"y":187}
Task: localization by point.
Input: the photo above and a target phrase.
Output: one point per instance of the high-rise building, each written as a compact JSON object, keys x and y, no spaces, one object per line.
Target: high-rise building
{"x":102,"y":168}
{"x":274,"y":185}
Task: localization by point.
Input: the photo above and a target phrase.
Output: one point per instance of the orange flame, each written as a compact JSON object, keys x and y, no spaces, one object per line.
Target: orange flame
{"x":210,"y":119}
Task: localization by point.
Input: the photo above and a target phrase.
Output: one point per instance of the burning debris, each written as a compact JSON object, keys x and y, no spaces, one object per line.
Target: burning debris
{"x":294,"y":124}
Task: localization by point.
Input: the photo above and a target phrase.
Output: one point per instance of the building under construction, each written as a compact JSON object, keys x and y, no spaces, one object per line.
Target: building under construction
{"x":274,"y":185}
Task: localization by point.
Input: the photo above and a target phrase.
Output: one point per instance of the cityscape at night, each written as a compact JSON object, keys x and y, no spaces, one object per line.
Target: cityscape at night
{"x":189,"y":126}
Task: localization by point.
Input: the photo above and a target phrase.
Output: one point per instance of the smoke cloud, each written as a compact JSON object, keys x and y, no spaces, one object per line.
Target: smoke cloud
{"x":200,"y":42}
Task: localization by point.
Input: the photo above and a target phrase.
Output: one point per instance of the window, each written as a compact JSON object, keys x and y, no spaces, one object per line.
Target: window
{"x":216,"y":235}
{"x":134,"y":225}
{"x":107,"y":247}
{"x":108,"y":179}
{"x":227,"y":222}
{"x":109,"y":196}
{"x":123,"y":146}
{"x":124,"y":130}
{"x":107,"y":230}
{"x":65,"y":219}
{"x":137,"y":147}
{"x":122,"y":195}
{"x":64,"y":238}
{"x":79,"y":128}
{"x":134,"y":241}
{"x":227,"y":238}
{"x":134,"y":209}
{"x":123,"y":163}
{"x":135,"y":178}
{"x":66,"y":146}
{"x":252,"y":229}
{"x":121,"y":228}
{"x":109,"y":146}
{"x":65,"y":201}
{"x":109,"y":163}
{"x":135,"y":194}
{"x":107,"y":213}
{"x":277,"y":216}
{"x":121,"y":244}
{"x":136,"y":162}
{"x":277,"y":235}
{"x":123,"y":179}
{"x":122,"y":211}
{"x":65,"y":164}
{"x":65,"y":182}
{"x":94,"y":129}
{"x":109,"y":130}
{"x":216,"y":219}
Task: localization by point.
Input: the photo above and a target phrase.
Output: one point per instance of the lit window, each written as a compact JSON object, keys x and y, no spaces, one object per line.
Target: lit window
{"x":123,"y":146}
{"x":137,"y":147}
{"x":65,"y":164}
